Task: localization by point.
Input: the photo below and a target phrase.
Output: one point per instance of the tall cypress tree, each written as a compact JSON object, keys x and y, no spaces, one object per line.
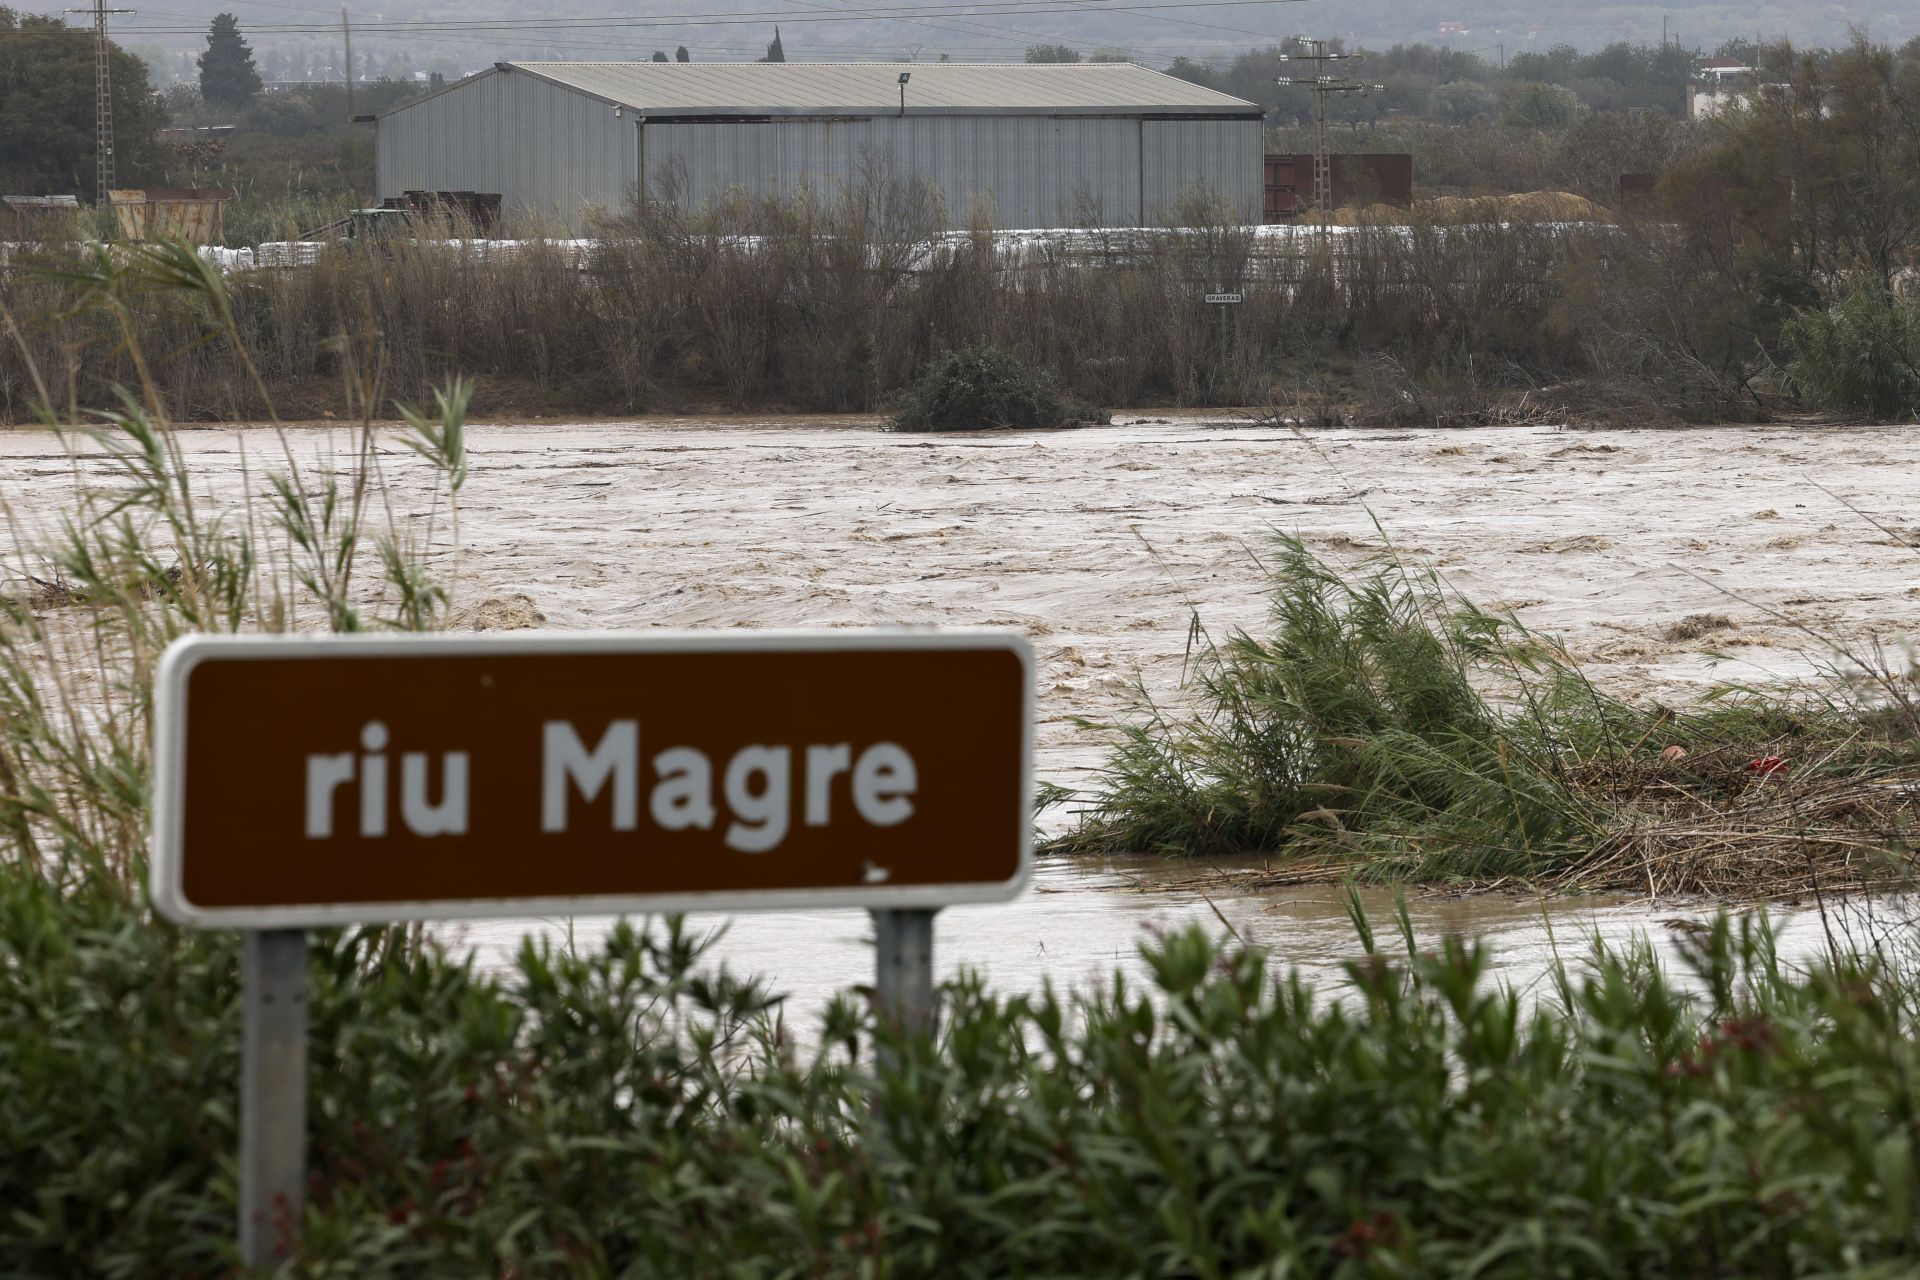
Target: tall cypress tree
{"x":775,"y":53}
{"x":681,"y":55}
{"x":228,"y":77}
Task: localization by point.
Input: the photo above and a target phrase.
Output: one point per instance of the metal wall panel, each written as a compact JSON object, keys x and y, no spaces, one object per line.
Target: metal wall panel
{"x":1227,"y":157}
{"x":1022,"y":171}
{"x":546,"y":150}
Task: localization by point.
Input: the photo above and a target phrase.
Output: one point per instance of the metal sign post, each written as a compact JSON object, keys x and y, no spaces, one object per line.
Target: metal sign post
{"x":1225,"y":301}
{"x":903,"y":968}
{"x":273,"y":1094}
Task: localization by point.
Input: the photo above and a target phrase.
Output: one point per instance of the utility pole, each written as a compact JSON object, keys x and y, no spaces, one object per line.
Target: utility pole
{"x":353,"y":167}
{"x":1324,"y":86}
{"x":346,"y":38}
{"x":102,"y":100}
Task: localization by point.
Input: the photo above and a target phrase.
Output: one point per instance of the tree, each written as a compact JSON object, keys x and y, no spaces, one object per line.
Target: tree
{"x":659,"y":56}
{"x":228,"y":77}
{"x":1052,"y":53}
{"x":681,"y":55}
{"x":775,"y":53}
{"x":1540,"y":106}
{"x":1845,"y":128}
{"x":46,"y":110}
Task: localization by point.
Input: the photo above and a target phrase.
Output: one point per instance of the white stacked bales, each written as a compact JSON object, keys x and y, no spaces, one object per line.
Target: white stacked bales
{"x":1101,"y":144}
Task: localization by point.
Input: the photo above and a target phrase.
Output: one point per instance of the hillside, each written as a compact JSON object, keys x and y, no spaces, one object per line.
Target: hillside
{"x":302,"y":41}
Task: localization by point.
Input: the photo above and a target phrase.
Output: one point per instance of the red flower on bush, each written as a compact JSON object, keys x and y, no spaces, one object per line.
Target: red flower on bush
{"x":1357,"y":1241}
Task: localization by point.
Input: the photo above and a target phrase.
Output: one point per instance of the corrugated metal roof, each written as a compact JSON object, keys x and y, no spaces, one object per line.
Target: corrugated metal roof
{"x":872,"y":88}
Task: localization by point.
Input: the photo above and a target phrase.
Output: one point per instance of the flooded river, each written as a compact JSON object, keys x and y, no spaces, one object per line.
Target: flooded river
{"x":1100,"y":546}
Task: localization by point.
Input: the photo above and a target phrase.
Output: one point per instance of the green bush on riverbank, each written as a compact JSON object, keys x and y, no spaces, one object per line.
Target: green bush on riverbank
{"x":614,"y":1114}
{"x":980,"y":388}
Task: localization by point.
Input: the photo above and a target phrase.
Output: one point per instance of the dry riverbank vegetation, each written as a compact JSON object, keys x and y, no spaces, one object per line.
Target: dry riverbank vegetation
{"x":839,"y":305}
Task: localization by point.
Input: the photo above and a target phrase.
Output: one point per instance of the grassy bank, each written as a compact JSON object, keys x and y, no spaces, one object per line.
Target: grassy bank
{"x":1384,"y":727}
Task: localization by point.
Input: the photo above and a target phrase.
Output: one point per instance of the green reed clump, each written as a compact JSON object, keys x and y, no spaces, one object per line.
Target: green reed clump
{"x":1358,"y":727}
{"x":1859,"y":356}
{"x":1385,"y":725}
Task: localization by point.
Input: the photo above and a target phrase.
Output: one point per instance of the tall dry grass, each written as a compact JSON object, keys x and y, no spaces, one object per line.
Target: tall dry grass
{"x":824,"y":305}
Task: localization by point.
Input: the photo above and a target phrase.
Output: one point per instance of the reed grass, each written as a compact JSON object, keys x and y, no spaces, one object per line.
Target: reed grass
{"x":1388,"y":729}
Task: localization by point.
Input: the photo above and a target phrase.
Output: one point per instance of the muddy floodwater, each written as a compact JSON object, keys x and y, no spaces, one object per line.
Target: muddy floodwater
{"x":1666,"y":560}
{"x":1082,"y":921}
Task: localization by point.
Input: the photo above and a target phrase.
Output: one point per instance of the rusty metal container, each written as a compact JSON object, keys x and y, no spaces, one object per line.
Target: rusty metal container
{"x":189,"y":214}
{"x":1636,"y":191}
{"x":1358,"y":178}
{"x":40,"y":218}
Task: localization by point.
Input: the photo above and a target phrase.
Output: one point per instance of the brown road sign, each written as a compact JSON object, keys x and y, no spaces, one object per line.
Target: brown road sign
{"x":323,"y":781}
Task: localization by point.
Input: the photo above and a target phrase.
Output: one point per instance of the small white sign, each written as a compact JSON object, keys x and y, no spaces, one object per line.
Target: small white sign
{"x":1223,"y":297}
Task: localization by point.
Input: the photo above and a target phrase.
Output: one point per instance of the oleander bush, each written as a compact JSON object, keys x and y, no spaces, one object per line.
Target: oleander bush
{"x":624,"y":1112}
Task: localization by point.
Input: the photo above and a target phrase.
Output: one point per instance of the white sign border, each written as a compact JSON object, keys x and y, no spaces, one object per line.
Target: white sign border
{"x":166,"y":869}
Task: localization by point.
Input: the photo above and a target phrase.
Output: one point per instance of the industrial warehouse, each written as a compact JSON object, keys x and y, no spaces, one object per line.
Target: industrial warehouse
{"x":1104,"y":144}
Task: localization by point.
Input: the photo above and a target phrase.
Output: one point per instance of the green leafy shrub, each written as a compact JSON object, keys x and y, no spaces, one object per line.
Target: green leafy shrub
{"x":621,"y":1113}
{"x":980,"y":387}
{"x":1859,"y":356}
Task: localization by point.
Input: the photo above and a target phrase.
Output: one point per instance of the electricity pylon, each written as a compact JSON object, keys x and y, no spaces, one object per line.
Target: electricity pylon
{"x":102,"y":100}
{"x":1324,"y":86}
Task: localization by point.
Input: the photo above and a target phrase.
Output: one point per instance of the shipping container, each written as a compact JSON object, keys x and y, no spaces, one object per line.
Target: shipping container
{"x":1359,"y":178}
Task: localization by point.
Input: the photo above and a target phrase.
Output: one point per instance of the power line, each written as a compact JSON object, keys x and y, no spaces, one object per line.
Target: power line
{"x":958,"y":9}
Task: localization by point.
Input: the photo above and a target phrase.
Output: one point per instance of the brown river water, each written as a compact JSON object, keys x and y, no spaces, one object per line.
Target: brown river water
{"x":1100,"y":545}
{"x":1080,"y":921}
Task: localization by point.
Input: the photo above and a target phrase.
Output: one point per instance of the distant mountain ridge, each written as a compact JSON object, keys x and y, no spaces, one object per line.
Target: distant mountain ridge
{"x":811,"y":32}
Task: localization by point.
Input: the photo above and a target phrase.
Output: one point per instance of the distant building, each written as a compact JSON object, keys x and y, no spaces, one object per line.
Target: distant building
{"x":1721,"y":68}
{"x":1033,"y":145}
{"x":1718,"y":83}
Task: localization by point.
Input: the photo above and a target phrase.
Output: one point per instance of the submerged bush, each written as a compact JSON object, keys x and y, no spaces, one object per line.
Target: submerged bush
{"x":981,"y":387}
{"x":1860,"y":356}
